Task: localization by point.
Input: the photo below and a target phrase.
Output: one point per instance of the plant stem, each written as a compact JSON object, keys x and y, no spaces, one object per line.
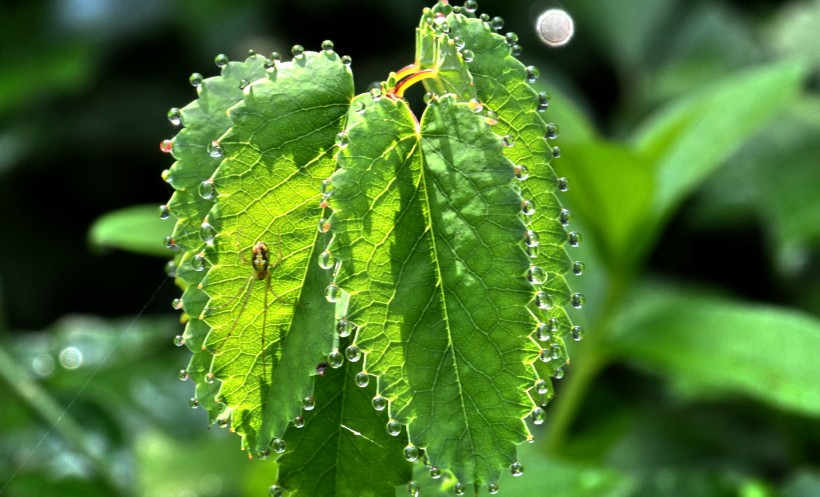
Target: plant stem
{"x":593,"y":359}
{"x":56,"y":417}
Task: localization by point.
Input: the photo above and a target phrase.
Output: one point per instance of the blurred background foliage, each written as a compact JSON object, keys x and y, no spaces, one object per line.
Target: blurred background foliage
{"x":690,"y":132}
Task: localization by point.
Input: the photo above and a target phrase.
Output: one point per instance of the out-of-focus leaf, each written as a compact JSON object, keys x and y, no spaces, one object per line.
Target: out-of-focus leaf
{"x":768,"y":353}
{"x":138,"y":229}
{"x":612,"y":188}
{"x":691,"y":137}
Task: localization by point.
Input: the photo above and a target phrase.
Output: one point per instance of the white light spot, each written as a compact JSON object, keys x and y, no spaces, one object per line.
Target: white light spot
{"x":71,"y":358}
{"x":555,"y":27}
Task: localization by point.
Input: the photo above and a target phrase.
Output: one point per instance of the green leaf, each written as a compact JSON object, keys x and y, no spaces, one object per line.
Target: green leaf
{"x":134,"y":228}
{"x":428,"y":235}
{"x":766,"y":352}
{"x":270,"y":323}
{"x":344,"y":438}
{"x":612,"y":189}
{"x":691,"y":137}
{"x":204,"y":120}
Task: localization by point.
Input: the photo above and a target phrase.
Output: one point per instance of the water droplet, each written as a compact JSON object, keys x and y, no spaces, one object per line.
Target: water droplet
{"x":475,"y":105}
{"x":557,"y":352}
{"x":509,"y":141}
{"x":429,"y":97}
{"x":171,"y":269}
{"x":531,"y":238}
{"x":532,"y":251}
{"x":344,"y":327}
{"x":347,"y":60}
{"x":459,"y":489}
{"x":517,"y":469}
{"x":215,"y":149}
{"x":467,"y":55}
{"x":565,"y":216}
{"x":543,"y":300}
{"x":251,"y":53}
{"x":379,"y":403}
{"x":516,"y":49}
{"x":492,"y":488}
{"x":342,"y":140}
{"x":207,"y":233}
{"x":541,"y":387}
{"x":327,"y":46}
{"x":278,"y":445}
{"x":497,"y":23}
{"x":543,"y":101}
{"x":458,"y":42}
{"x":362,"y":379}
{"x":511,"y":38}
{"x":299,"y":422}
{"x":521,"y":172}
{"x":222,"y":422}
{"x":335,"y":359}
{"x":210,"y":378}
{"x":574,"y":238}
{"x":532,"y":74}
{"x":413,"y":489}
{"x":376,"y":94}
{"x":207,"y":190}
{"x":183,"y":375}
{"x":411,"y":453}
{"x":326,"y":260}
{"x":558,"y":373}
{"x":298,"y":51}
{"x":175,"y":116}
{"x":435,"y":472}
{"x":275,"y":491}
{"x":244,"y":83}
{"x":553,"y":324}
{"x":170,"y":243}
{"x":552,"y":131}
{"x":577,"y":300}
{"x":545,"y":355}
{"x":539,"y":415}
{"x":556,"y":152}
{"x":555,"y":27}
{"x":527,"y":208}
{"x":360,"y":106}
{"x":263,"y":454}
{"x":221,"y":60}
{"x":471,"y":6}
{"x":193,"y":403}
{"x":309,"y":403}
{"x":393,"y":428}
{"x":275,"y":57}
{"x":536,"y":275}
{"x":563,"y":184}
{"x":353,"y":353}
{"x":485,"y":17}
{"x":542,"y":332}
{"x":332,"y":293}
{"x":578,"y":268}
{"x":179,"y":341}
{"x":198,"y":262}
{"x":164,"y":211}
{"x":165,"y":146}
{"x":577,"y":333}
{"x":195,"y":79}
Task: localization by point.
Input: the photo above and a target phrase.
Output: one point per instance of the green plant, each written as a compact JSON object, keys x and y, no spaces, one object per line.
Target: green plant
{"x":684,"y":385}
{"x":436,"y":270}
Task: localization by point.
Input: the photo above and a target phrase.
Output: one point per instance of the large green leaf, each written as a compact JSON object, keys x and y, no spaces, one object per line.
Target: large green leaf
{"x":270,"y":324}
{"x":689,"y":138}
{"x":716,"y":343}
{"x":428,"y":237}
{"x":204,"y":120}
